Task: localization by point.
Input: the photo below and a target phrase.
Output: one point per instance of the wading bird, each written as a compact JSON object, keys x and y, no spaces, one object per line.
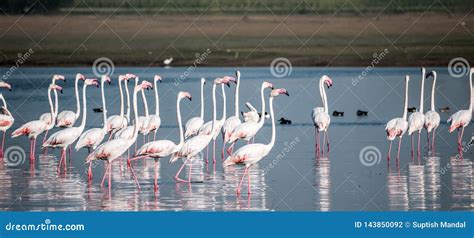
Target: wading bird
{"x":234,"y":121}
{"x":320,"y":115}
{"x":68,"y":118}
{"x":118,"y":122}
{"x":194,"y":124}
{"x":416,"y":121}
{"x":154,"y":121}
{"x":6,"y":118}
{"x":432,"y":118}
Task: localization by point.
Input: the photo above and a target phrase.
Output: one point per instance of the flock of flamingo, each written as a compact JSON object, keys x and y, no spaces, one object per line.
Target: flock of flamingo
{"x":197,"y":135}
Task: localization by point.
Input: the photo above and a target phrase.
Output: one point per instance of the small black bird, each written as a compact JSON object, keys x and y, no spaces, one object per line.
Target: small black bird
{"x":444,"y":109}
{"x":338,"y":114}
{"x":98,"y":109}
{"x":362,"y":113}
{"x":284,"y":121}
{"x":411,"y":109}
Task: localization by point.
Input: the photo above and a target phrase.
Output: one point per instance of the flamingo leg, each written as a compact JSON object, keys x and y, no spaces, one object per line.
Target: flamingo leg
{"x":176,"y":177}
{"x":419,"y":139}
{"x":399,"y":145}
{"x":190,"y":170}
{"x":324,"y":142}
{"x":223,"y":149}
{"x":319,"y":143}
{"x":214,"y":151}
{"x":230,"y":150}
{"x":412,"y":146}
{"x":433,"y":140}
{"x":248,"y":182}
{"x":135,"y":177}
{"x":156,"y":175}
{"x":460,"y":141}
{"x":110,"y":135}
{"x":428,"y":137}
{"x":110,"y":174}
{"x":3,"y":145}
{"x":207,"y":154}
{"x":105,"y":174}
{"x":389,"y":151}
{"x":242,"y":179}
{"x":34,"y":150}
{"x":154,"y":135}
{"x":89,"y":172}
{"x":327,"y":140}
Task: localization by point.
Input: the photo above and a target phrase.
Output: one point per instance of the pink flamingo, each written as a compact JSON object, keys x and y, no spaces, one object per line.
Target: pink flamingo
{"x":253,"y":153}
{"x":194,"y":124}
{"x":118,"y":122}
{"x":154,"y":120}
{"x":193,"y":146}
{"x":91,"y":138}
{"x":432,"y":118}
{"x":34,"y":128}
{"x":6,"y":118}
{"x":209,"y":126}
{"x":462,"y":118}
{"x":47,"y":117}
{"x":320,"y":115}
{"x":398,"y":126}
{"x":248,"y":130}
{"x":252,"y":114}
{"x":68,"y":118}
{"x":113,"y":149}
{"x":162,"y":148}
{"x":64,"y":138}
{"x":234,"y":121}
{"x":416,"y":121}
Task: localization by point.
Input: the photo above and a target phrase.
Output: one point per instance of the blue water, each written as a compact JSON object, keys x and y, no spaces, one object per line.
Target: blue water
{"x":290,"y":178}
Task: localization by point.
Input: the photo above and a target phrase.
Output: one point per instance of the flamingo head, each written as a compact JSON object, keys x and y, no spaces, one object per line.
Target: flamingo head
{"x":431,"y":74}
{"x":472,"y":70}
{"x":222,"y":81}
{"x":130,"y":76}
{"x":56,"y":87}
{"x":6,"y":85}
{"x":228,"y":79}
{"x":237,"y":74}
{"x":267,"y":85}
{"x":158,"y":78}
{"x":121,"y":77}
{"x":279,"y":91}
{"x":423,"y":71}
{"x":203,"y":81}
{"x":80,"y":77}
{"x":91,"y":82}
{"x":146,"y":85}
{"x":106,"y":78}
{"x":59,"y":77}
{"x":183,"y":94}
{"x":327,"y":80}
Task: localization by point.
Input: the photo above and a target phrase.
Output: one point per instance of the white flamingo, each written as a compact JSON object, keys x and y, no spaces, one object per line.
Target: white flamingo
{"x":6,"y":118}
{"x":252,"y":114}
{"x":320,"y":115}
{"x":416,"y":121}
{"x":432,"y":118}
{"x":162,"y":148}
{"x":92,"y":138}
{"x":68,"y":118}
{"x":47,"y":117}
{"x":118,"y":122}
{"x":64,"y":138}
{"x":398,"y":126}
{"x":34,"y":128}
{"x":193,"y":146}
{"x":232,"y":122}
{"x":113,"y":149}
{"x":462,"y":118}
{"x":253,"y":153}
{"x":194,"y":124}
{"x":248,"y":130}
{"x":209,"y":126}
{"x":154,"y":121}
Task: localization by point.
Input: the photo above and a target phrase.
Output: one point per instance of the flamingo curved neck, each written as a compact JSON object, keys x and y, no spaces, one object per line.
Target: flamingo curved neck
{"x":78,"y":105}
{"x":472,"y":92}
{"x":322,"y":93}
{"x":262,"y":117}
{"x":145,"y":104}
{"x":180,"y":124}
{"x":236,"y":102}
{"x":135,"y":113}
{"x":433,"y":93}
{"x":224,"y":110}
{"x":157,"y":99}
{"x":50,"y":126}
{"x":3,"y":101}
{"x":422,"y":90}
{"x":104,"y":106}
{"x":84,"y":107}
{"x":121,"y":98}
{"x":405,"y":106}
{"x":272,"y":140}
{"x":127,"y":115}
{"x":202,"y":100}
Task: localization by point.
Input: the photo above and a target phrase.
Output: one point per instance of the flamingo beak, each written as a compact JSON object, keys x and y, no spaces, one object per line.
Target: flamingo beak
{"x":190,"y":98}
{"x":287,"y":94}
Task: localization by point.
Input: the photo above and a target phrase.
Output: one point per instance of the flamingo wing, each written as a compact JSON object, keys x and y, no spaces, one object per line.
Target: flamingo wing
{"x":90,"y":138}
{"x":192,"y":126}
{"x":248,"y":154}
{"x":66,"y":119}
{"x":109,"y":150}
{"x":432,"y":120}
{"x":321,"y":119}
{"x":245,"y":131}
{"x":31,"y":129}
{"x":63,"y":137}
{"x":159,"y":148}
{"x":115,"y":123}
{"x":154,"y":122}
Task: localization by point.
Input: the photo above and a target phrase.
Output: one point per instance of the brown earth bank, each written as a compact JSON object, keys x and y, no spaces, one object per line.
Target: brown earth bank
{"x":412,"y":39}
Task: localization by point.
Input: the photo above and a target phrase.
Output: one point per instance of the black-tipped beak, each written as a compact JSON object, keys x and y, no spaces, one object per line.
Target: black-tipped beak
{"x":287,"y":94}
{"x":61,"y":91}
{"x":430,"y":74}
{"x":190,"y":98}
{"x":10,"y":89}
{"x":272,"y":88}
{"x":109,"y":82}
{"x":228,"y":85}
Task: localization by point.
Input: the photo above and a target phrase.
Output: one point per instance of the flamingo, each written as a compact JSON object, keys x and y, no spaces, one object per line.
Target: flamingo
{"x":94,"y":136}
{"x":194,"y":124}
{"x":416,"y":121}
{"x":232,"y":122}
{"x":209,"y":126}
{"x":252,"y":153}
{"x":248,"y":130}
{"x":196,"y":144}
{"x":432,"y":118}
{"x":398,"y":126}
{"x":320,"y":115}
{"x":162,"y":148}
{"x":117,"y":122}
{"x":154,"y":121}
{"x":462,"y":118}
{"x":113,"y":149}
{"x":64,"y":138}
{"x":6,"y":118}
{"x":68,"y":118}
{"x":47,"y":117}
{"x":34,"y":128}
{"x":252,"y":114}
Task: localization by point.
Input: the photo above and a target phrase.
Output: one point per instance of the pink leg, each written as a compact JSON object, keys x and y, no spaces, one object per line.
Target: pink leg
{"x":89,"y":172}
{"x":389,"y":151}
{"x":110,"y":135}
{"x":60,"y":162}
{"x":327,"y":137}
{"x":460,"y":141}
{"x":433,"y":140}
{"x":230,"y":150}
{"x":324,"y":142}
{"x":190,"y":170}
{"x":214,"y":151}
{"x":156,"y":175}
{"x":105,"y":174}
{"x":428,"y":137}
{"x":242,"y":179}
{"x":399,"y":144}
{"x":179,"y":171}
{"x":207,"y":154}
{"x":135,"y":177}
{"x":110,"y":175}
{"x":419,"y":139}
{"x":34,"y":149}
{"x":3,"y":145}
{"x":412,"y":146}
{"x":248,"y":182}
{"x":154,"y":136}
{"x":223,"y":149}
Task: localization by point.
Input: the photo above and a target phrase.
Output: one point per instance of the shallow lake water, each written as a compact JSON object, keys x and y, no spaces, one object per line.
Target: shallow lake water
{"x":290,"y":178}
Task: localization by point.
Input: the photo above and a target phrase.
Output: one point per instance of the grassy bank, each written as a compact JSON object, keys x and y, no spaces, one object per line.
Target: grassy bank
{"x":249,"y":40}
